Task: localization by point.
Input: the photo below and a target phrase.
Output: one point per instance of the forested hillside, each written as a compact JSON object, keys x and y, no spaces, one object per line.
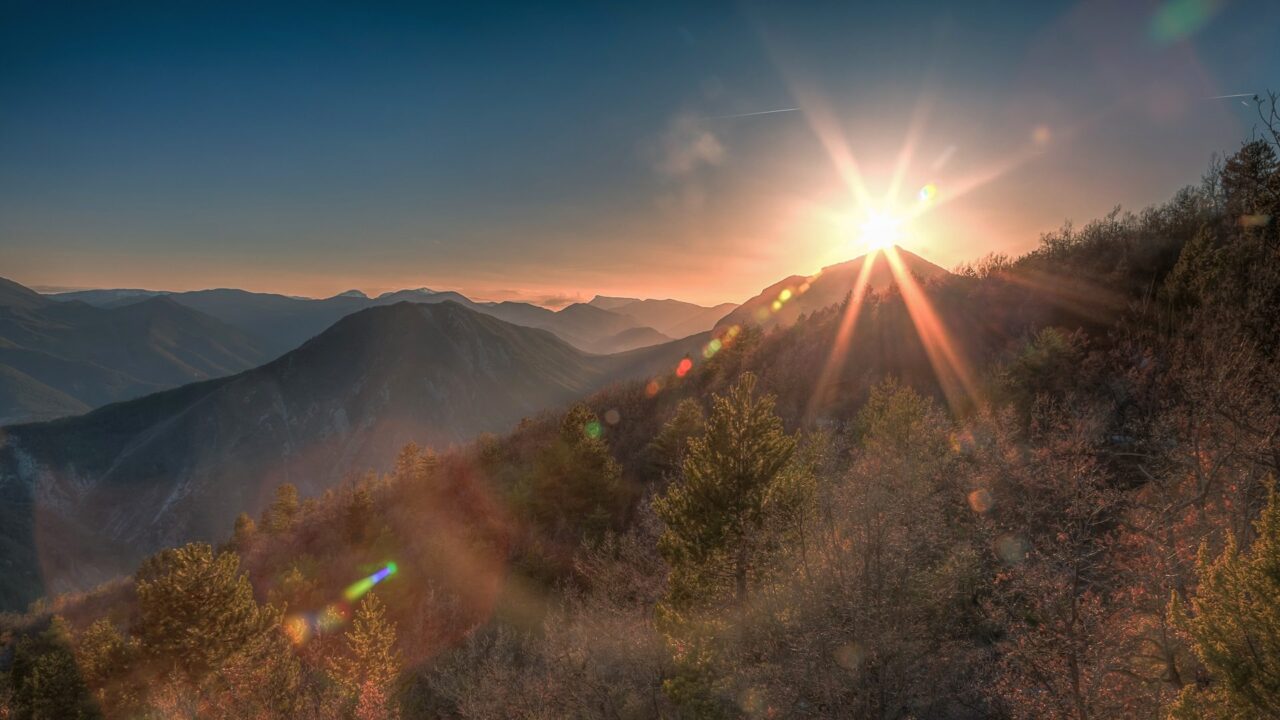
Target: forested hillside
{"x":1040,"y":487}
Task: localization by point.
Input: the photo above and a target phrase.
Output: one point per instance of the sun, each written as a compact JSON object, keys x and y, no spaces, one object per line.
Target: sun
{"x":880,"y":230}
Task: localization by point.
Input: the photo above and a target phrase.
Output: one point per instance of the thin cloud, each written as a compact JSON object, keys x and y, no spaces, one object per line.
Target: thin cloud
{"x":687,"y":146}
{"x":548,"y":300}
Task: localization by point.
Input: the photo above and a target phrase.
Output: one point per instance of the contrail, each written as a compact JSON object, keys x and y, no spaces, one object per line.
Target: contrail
{"x":1224,"y":97}
{"x":761,"y":112}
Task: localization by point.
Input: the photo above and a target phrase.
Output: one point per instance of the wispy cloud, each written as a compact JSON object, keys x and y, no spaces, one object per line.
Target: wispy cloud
{"x":553,"y":300}
{"x":686,"y":146}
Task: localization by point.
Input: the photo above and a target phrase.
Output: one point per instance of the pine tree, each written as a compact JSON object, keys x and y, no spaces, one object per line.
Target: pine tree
{"x":46,"y":679}
{"x":106,"y":659}
{"x":206,"y":641}
{"x":716,"y":510}
{"x":716,"y":542}
{"x":415,"y":464}
{"x":408,"y":464}
{"x":243,"y":534}
{"x":576,"y":483}
{"x":57,"y":691}
{"x":196,"y":610}
{"x":358,"y":518}
{"x":1234,"y":628}
{"x":368,"y":672}
{"x":280,"y":516}
{"x":1251,"y":181}
{"x":665,"y":453}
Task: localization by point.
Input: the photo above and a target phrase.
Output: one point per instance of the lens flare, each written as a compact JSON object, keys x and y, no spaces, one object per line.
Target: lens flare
{"x":684,"y":367}
{"x":359,"y":588}
{"x":880,"y":230}
{"x":1180,"y":19}
{"x":980,"y":500}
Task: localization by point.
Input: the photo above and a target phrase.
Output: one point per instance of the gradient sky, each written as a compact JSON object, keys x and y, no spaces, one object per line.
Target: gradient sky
{"x":548,"y":153}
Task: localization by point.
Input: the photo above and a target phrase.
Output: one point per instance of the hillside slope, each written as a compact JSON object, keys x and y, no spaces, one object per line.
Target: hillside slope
{"x":828,"y":287}
{"x":66,"y":357}
{"x":86,"y":497}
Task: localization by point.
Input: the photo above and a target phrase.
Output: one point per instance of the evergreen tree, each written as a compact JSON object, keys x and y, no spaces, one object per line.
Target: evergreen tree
{"x":280,"y":516}
{"x":576,"y":484}
{"x":283,"y":513}
{"x":415,"y":464}
{"x":1251,"y":183}
{"x":46,"y":680}
{"x":368,"y":672}
{"x":243,"y":534}
{"x":359,"y":516}
{"x":196,"y":610}
{"x":106,"y":660}
{"x":716,"y":510}
{"x":665,"y":453}
{"x":57,"y":692}
{"x":1234,"y":628}
{"x":407,"y":462}
{"x":717,"y":539}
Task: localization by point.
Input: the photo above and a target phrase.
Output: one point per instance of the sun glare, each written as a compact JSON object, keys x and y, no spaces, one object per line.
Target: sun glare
{"x":880,"y":230}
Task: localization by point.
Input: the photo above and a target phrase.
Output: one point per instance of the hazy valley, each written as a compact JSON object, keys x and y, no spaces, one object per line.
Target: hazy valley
{"x":930,"y":371}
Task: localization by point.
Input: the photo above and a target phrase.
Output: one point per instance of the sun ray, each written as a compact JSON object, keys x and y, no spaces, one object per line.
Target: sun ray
{"x":919,"y":118}
{"x":1039,"y":140}
{"x":949,"y":367}
{"x":825,"y":126}
{"x":844,"y":336}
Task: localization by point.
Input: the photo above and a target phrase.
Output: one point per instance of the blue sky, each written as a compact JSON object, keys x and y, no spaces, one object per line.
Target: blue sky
{"x":559,"y":151}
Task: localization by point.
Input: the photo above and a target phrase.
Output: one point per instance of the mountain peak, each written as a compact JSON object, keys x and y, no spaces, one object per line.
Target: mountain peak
{"x":605,"y":302}
{"x":408,"y":292}
{"x":829,"y":286}
{"x":353,"y":294}
{"x":13,"y":294}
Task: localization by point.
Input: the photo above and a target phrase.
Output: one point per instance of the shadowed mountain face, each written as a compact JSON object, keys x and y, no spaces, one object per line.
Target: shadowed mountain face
{"x":829,"y":287}
{"x":59,"y":358}
{"x":85,"y":498}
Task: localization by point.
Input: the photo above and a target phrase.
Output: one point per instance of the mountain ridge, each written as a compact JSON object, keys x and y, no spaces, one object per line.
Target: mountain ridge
{"x":282,"y":323}
{"x":70,"y":356}
{"x":800,"y":294}
{"x":138,"y":475}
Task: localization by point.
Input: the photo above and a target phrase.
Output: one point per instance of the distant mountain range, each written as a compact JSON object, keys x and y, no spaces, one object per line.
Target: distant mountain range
{"x":672,"y":318}
{"x":798,"y":295}
{"x":283,"y":322}
{"x":84,"y":498}
{"x":67,"y":353}
{"x":63,"y":358}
